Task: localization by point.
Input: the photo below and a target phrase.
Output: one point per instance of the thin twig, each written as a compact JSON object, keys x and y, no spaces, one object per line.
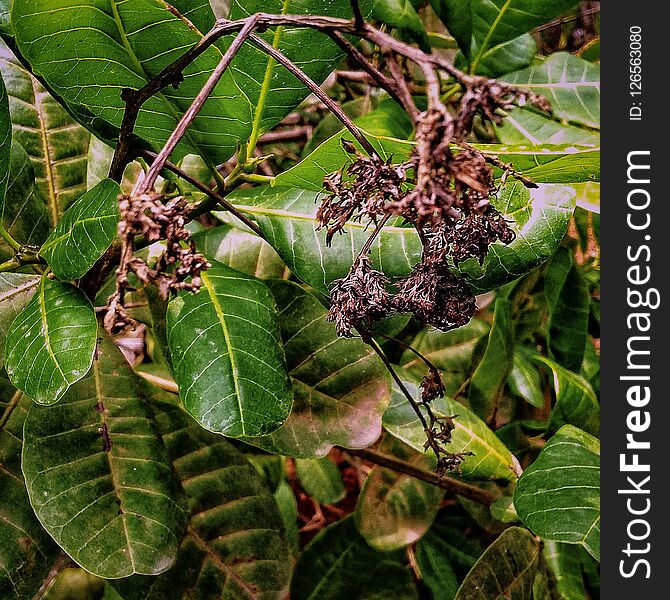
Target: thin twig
{"x":450,"y":484}
{"x":315,"y":89}
{"x":190,"y":115}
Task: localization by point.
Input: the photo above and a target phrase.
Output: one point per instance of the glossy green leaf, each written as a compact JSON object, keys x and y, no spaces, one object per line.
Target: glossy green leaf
{"x":540,"y":218}
{"x":325,"y":569}
{"x":84,"y":233}
{"x":98,"y":475}
{"x":100,"y":157}
{"x":28,"y":553}
{"x":479,"y":25}
{"x":92,"y":51}
{"x":287,"y":218}
{"x":242,"y":250}
{"x":271,"y":90}
{"x":234,"y":547}
{"x":558,"y":496}
{"x":198,"y":12}
{"x":56,"y":144}
{"x":74,"y":584}
{"x":491,"y":460}
{"x":571,"y":84}
{"x":24,"y":214}
{"x":524,"y":126}
{"x":506,"y":569}
{"x":507,"y":56}
{"x":5,"y":25}
{"x":564,"y":163}
{"x":524,"y":378}
{"x":451,"y":352}
{"x":493,"y":369}
{"x":16,"y":290}
{"x":565,"y":565}
{"x":227,"y":354}
{"x":569,"y":302}
{"x":568,"y":164}
{"x":51,"y":343}
{"x":5,"y":139}
{"x":394,"y":510}
{"x":321,"y":479}
{"x":340,"y":387}
{"x":576,"y":402}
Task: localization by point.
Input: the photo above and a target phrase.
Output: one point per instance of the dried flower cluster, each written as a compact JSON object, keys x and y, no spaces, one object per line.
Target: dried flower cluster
{"x":178,"y":268}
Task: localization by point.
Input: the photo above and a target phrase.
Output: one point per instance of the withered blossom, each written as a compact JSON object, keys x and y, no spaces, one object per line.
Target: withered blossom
{"x":435,"y":296}
{"x":370,"y":183}
{"x":432,"y":386}
{"x":473,"y":236}
{"x":358,"y":299}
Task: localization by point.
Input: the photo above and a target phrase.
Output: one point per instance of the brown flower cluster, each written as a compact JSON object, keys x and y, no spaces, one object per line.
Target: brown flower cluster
{"x":178,"y":268}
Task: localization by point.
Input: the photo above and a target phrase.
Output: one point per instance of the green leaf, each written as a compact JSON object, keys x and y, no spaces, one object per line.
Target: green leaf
{"x":540,"y":218}
{"x":56,"y":144}
{"x":550,"y":164}
{"x":321,"y":479}
{"x":28,"y":553}
{"x":85,"y":232}
{"x":227,"y":355}
{"x":51,"y":343}
{"x":339,"y":565}
{"x":394,"y":510}
{"x":506,"y":569}
{"x":451,"y":352}
{"x":479,"y":25}
{"x":491,"y":460}
{"x":511,"y":55}
{"x":271,"y":90}
{"x":24,"y":214}
{"x":492,"y":371}
{"x":16,"y":290}
{"x":98,"y":475}
{"x":340,"y":387}
{"x":74,"y":584}
{"x":576,"y":402}
{"x":241,"y":250}
{"x":402,"y":15}
{"x":288,"y":507}
{"x":564,"y":562}
{"x":287,"y":218}
{"x":503,"y":510}
{"x":524,"y":378}
{"x":571,"y":84}
{"x":5,"y":140}
{"x":234,"y":547}
{"x":436,"y":570}
{"x":569,"y":301}
{"x":90,"y":52}
{"x":524,"y":126}
{"x":198,"y":12}
{"x":558,"y":496}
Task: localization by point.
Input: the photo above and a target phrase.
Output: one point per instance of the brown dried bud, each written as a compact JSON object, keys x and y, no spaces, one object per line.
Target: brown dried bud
{"x":358,"y":299}
{"x":473,"y":236}
{"x":431,"y":386}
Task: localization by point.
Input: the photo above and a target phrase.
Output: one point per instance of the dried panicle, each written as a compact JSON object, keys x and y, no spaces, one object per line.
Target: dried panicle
{"x":432,"y":386}
{"x":473,"y":236}
{"x":435,"y":296}
{"x":370,"y":184}
{"x":358,"y":299}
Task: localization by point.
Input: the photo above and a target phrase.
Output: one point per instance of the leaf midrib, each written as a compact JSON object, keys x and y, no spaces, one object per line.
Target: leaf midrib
{"x":221,"y":316}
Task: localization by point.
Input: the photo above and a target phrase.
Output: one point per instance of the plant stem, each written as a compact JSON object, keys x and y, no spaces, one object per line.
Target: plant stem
{"x":11,"y":242}
{"x":450,"y":484}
